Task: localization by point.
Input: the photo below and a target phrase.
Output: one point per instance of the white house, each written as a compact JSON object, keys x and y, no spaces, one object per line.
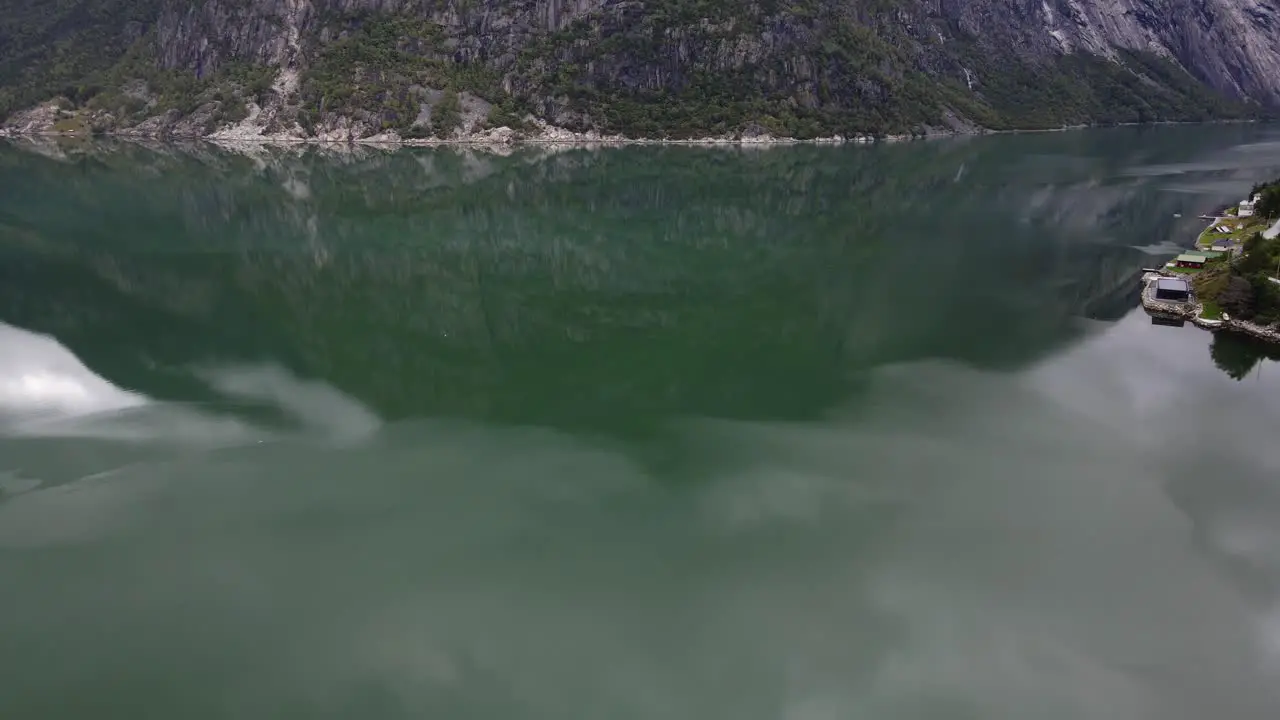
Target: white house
{"x":1246,"y":208}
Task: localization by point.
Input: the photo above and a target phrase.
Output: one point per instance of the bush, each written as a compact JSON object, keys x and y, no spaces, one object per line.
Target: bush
{"x":307,"y":121}
{"x":506,"y":114}
{"x":446,"y":115}
{"x":1237,"y":297}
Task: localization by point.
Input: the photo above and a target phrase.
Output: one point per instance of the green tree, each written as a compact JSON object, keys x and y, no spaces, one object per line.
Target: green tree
{"x":1269,"y":204}
{"x":1256,"y":258}
{"x":1266,"y":298}
{"x":447,"y":114}
{"x":1237,"y":297}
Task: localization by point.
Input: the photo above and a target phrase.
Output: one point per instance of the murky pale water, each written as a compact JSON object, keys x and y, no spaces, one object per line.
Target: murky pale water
{"x":786,"y":434}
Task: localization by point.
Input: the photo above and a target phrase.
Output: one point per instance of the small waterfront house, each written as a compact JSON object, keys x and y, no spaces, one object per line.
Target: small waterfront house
{"x":1187,"y":260}
{"x":1246,"y":209}
{"x":1223,"y":246}
{"x":1172,"y":289}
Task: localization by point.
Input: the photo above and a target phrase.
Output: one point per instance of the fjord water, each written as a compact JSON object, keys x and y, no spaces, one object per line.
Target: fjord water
{"x":779,"y":434}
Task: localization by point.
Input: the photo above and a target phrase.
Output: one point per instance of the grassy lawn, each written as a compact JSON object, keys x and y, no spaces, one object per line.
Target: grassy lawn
{"x":74,"y":124}
{"x":1182,"y":270}
{"x":1211,"y":311}
{"x":1238,"y":233}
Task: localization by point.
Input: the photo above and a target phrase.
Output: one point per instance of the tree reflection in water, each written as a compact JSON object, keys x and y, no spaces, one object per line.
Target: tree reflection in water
{"x":1237,"y":355}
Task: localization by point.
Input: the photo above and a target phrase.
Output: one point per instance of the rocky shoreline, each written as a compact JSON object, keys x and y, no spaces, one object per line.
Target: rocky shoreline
{"x":271,"y":124}
{"x":49,"y":120}
{"x":502,"y":136}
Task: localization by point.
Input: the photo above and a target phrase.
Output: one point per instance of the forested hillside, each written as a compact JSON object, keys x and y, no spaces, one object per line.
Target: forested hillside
{"x":653,"y":68}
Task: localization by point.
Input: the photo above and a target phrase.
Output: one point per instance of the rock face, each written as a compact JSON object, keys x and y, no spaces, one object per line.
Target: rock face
{"x":805,"y":67}
{"x":40,"y":119}
{"x":1232,"y":45}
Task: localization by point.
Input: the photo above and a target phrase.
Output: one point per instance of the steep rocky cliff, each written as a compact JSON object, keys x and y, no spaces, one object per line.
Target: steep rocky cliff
{"x":352,"y":68}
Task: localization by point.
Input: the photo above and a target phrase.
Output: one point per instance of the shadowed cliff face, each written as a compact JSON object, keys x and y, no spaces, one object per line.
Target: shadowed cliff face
{"x":525,"y":287}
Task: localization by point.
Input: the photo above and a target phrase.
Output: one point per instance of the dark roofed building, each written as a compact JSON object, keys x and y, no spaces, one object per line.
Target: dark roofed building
{"x":1172,"y":289}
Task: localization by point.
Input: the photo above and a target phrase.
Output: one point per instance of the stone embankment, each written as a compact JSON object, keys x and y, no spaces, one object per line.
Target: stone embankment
{"x":1270,"y":334}
{"x":1191,"y":311}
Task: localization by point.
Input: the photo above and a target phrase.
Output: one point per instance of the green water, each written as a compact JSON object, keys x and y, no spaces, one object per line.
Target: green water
{"x":779,"y":434}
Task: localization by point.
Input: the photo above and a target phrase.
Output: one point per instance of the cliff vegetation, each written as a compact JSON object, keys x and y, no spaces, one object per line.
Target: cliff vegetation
{"x":664,"y":68}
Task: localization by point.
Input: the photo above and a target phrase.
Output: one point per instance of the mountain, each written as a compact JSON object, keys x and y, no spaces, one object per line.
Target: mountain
{"x":343,"y":69}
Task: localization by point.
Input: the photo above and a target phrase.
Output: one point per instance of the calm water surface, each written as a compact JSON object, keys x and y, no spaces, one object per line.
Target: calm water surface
{"x":779,"y":434}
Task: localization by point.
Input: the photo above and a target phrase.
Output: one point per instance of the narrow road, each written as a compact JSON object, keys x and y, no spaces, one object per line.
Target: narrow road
{"x":1273,"y":231}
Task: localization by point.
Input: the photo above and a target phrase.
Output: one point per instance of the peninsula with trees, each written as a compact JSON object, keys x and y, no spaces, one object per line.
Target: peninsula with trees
{"x":1230,"y":279}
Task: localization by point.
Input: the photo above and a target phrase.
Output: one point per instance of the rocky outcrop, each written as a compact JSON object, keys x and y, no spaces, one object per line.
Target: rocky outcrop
{"x":202,"y":36}
{"x":39,"y":120}
{"x":1229,"y":44}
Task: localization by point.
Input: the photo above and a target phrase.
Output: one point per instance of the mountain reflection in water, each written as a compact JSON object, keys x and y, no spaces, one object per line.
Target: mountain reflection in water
{"x":466,"y":276}
{"x":791,"y":434}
